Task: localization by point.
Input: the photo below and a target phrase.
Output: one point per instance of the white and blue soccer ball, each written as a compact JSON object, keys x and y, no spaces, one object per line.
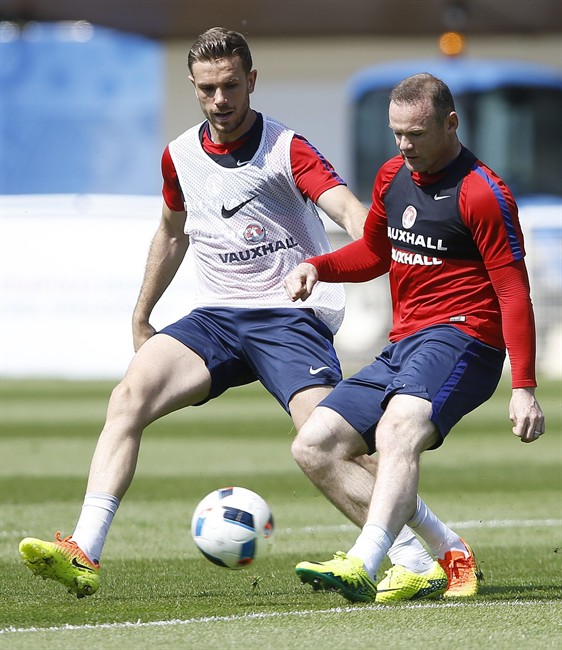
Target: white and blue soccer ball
{"x":232,"y":527}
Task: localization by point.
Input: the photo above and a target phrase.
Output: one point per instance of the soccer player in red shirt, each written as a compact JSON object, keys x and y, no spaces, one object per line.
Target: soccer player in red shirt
{"x":445,"y":228}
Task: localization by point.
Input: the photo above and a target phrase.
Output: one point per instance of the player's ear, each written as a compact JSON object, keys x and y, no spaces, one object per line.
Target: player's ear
{"x":452,"y":121}
{"x":252,"y":80}
{"x":192,"y":79}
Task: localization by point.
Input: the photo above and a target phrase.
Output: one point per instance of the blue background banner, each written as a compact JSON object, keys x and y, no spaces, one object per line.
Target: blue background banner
{"x":81,"y":111}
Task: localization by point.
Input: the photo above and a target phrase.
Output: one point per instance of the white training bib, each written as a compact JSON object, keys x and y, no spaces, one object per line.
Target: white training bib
{"x":250,"y":226}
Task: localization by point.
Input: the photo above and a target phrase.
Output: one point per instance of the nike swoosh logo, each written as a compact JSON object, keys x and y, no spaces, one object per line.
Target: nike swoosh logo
{"x":81,"y":566}
{"x":440,"y":198}
{"x":226,"y":213}
{"x":315,"y":371}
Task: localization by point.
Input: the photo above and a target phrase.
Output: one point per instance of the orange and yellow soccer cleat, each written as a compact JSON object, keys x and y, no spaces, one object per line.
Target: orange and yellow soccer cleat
{"x":462,"y":573}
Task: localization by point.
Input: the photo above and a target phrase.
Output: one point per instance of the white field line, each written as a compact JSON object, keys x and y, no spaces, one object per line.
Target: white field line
{"x":474,"y":523}
{"x":270,"y":615}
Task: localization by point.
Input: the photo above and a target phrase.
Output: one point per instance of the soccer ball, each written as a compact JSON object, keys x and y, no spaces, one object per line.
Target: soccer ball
{"x":232,"y":526}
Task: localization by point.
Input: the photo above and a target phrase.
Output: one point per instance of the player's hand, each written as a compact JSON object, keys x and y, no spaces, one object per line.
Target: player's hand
{"x":526,"y":414}
{"x":300,"y":281}
{"x":142,"y":331}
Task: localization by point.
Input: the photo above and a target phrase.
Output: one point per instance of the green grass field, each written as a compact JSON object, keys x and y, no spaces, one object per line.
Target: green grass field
{"x":158,"y":591}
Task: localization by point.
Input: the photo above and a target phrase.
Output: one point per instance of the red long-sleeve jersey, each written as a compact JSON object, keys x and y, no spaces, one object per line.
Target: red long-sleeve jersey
{"x":453,"y":247}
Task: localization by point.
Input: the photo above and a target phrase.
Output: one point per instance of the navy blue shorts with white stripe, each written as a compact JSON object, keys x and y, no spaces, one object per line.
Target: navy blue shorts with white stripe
{"x":454,"y":371}
{"x":285,"y":349}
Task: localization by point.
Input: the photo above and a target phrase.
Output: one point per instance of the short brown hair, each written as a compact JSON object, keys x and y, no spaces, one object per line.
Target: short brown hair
{"x":419,"y":87}
{"x":220,"y":43}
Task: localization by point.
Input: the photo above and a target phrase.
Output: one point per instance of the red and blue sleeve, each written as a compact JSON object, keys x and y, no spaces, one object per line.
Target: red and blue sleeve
{"x":313,"y":174}
{"x":489,"y":210}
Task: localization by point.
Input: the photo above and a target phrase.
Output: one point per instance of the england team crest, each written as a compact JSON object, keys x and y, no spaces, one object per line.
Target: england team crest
{"x":254,"y":233}
{"x":409,"y":216}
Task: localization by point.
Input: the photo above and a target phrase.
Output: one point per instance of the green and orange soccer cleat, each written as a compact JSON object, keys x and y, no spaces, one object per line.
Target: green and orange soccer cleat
{"x":63,"y":561}
{"x":462,"y":573}
{"x":343,"y":574}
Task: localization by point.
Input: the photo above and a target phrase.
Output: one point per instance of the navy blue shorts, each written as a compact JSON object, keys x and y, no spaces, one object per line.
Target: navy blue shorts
{"x":454,"y":371}
{"x":285,"y":349}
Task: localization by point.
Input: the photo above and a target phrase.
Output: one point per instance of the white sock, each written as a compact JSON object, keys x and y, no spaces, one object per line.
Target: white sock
{"x":371,"y":546}
{"x":438,"y":536}
{"x":93,"y":524}
{"x":408,"y":551}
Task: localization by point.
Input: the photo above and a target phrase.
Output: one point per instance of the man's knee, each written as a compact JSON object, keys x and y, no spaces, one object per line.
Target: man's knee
{"x":127,"y":403}
{"x":406,"y":427}
{"x":304,"y":447}
{"x":326,"y":438}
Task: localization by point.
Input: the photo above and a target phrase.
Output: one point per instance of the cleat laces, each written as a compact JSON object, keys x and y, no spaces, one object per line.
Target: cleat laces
{"x":458,"y":565}
{"x":70,"y":549}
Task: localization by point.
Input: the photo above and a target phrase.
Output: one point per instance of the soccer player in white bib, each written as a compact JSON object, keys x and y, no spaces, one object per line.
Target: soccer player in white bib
{"x":241,"y":190}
